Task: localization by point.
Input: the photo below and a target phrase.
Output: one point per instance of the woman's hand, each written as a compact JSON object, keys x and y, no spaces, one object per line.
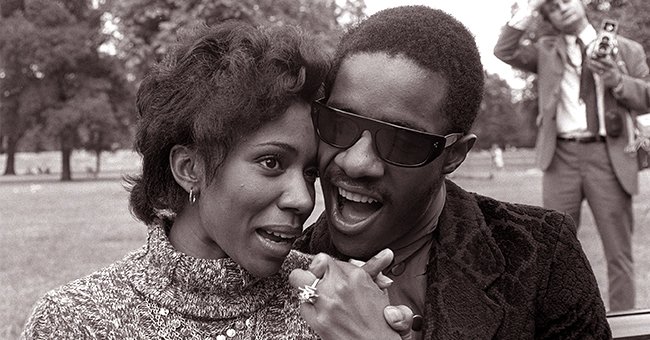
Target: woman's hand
{"x":352,"y":302}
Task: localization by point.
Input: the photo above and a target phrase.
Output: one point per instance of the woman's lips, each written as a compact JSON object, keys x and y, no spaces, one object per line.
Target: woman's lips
{"x":277,"y":240}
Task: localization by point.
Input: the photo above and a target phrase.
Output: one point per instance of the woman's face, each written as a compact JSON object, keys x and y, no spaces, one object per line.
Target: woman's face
{"x":263,"y":193}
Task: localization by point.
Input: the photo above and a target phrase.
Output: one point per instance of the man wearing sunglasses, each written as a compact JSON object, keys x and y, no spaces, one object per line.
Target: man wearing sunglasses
{"x":404,"y":91}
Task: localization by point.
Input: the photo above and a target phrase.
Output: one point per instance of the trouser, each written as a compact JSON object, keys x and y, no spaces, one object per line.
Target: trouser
{"x":583,"y":171}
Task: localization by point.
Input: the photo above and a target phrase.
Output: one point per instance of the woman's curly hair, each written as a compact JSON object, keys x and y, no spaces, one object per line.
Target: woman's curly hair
{"x":218,"y":85}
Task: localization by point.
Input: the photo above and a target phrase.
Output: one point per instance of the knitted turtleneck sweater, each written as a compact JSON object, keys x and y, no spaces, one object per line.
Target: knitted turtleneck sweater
{"x":160,"y":293}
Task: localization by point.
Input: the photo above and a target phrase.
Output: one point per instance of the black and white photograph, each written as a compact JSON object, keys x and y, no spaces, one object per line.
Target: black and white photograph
{"x":324,"y":169}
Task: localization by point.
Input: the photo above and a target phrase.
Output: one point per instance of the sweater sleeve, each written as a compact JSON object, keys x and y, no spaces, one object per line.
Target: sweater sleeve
{"x":50,"y":321}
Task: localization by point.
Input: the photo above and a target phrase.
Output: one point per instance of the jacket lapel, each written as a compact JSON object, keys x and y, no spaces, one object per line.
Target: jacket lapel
{"x":464,"y":262}
{"x":552,"y":59}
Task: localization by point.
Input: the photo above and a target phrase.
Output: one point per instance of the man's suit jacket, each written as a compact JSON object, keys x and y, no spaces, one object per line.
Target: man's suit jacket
{"x":547,"y":58}
{"x":501,"y":271}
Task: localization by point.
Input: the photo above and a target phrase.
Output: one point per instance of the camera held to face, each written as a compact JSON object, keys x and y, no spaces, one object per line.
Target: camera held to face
{"x":606,"y":43}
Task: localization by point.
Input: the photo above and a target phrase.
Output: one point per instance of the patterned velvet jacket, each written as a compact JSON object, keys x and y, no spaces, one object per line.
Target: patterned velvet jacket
{"x":501,"y":271}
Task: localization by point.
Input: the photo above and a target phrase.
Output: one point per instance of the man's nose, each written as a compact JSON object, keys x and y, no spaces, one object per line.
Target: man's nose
{"x":361,"y":159}
{"x":563,"y":6}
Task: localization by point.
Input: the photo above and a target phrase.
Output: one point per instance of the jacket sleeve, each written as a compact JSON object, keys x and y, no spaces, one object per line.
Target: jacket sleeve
{"x":634,"y":92}
{"x":570,"y":306}
{"x":509,"y":49}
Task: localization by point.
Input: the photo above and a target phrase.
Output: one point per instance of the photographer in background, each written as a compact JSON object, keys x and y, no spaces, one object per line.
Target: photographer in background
{"x":587,"y":101}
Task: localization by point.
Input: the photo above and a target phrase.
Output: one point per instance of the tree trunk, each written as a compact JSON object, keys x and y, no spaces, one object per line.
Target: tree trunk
{"x":66,"y":174}
{"x":12,"y":145}
{"x":98,"y":153}
{"x":66,"y":153}
{"x":11,"y":128}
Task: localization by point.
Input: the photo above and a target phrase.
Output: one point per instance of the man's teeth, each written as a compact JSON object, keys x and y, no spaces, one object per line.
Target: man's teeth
{"x":354,"y":197}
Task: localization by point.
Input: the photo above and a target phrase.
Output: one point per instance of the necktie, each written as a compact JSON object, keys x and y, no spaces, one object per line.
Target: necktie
{"x":588,"y":91}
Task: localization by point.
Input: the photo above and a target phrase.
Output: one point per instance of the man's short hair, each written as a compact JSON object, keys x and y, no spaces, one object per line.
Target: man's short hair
{"x":434,"y":40}
{"x":543,"y":9}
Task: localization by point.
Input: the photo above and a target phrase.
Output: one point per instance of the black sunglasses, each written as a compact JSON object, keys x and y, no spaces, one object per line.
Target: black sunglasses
{"x":396,"y":145}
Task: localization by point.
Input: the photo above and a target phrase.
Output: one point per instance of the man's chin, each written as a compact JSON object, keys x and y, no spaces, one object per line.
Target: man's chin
{"x":571,"y":26}
{"x":351,"y":248}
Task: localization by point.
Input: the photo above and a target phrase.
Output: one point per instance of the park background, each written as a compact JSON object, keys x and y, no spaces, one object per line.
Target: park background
{"x":69,"y":70}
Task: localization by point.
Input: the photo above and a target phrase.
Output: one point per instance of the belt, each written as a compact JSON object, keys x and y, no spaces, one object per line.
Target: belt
{"x":586,"y":139}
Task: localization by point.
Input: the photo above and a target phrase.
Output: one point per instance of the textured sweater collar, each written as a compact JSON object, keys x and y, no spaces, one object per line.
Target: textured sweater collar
{"x":201,"y":288}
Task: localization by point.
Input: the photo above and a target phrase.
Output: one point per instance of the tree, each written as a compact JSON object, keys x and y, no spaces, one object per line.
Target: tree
{"x":498,"y":121}
{"x":146,"y":28}
{"x":53,"y":45}
{"x":16,"y":40}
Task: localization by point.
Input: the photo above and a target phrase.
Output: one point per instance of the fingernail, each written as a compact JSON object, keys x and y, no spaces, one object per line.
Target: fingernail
{"x":392,"y":313}
{"x":316,"y":261}
{"x":356,"y":262}
{"x":384,"y":252}
{"x":384,"y":280}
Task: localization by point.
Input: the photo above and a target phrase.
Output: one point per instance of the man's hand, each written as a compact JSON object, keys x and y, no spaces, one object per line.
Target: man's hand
{"x":350,"y":304}
{"x":528,"y":6}
{"x":524,"y":13}
{"x":535,"y":4}
{"x":607,"y":69}
{"x":373,"y":267}
{"x":400,"y":319}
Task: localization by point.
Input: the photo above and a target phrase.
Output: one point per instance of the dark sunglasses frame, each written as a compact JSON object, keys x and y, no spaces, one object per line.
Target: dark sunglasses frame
{"x":374,"y":125}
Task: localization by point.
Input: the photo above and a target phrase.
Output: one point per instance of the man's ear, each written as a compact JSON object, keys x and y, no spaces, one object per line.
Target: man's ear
{"x":186,"y":167}
{"x":457,"y":152}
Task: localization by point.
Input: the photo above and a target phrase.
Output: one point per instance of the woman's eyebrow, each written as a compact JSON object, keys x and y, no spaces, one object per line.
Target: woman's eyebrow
{"x":284,"y":146}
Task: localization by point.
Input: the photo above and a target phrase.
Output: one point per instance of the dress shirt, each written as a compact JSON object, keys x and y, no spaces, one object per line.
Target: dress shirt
{"x":571,"y":116}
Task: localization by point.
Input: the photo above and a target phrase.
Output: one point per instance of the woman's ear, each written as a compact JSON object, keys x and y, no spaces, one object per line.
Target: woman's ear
{"x":186,"y":167}
{"x":457,"y":153}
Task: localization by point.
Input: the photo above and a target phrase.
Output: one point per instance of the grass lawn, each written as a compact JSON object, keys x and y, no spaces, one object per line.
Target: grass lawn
{"x":53,"y":232}
{"x":520,"y":182}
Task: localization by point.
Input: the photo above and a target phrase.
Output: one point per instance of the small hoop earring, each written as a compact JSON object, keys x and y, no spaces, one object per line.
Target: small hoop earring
{"x":192,"y":197}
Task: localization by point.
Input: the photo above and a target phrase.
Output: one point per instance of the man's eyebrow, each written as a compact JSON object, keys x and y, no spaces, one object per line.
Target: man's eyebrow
{"x":404,"y":124}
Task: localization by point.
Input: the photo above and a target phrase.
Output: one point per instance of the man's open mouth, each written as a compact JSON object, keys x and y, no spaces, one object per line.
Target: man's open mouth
{"x":355,"y":207}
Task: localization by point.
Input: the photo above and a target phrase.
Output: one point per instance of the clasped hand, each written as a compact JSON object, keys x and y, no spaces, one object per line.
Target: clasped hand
{"x":352,"y":301}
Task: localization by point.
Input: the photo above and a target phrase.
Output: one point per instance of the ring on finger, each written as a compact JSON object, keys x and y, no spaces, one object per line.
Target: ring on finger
{"x":308,"y":293}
